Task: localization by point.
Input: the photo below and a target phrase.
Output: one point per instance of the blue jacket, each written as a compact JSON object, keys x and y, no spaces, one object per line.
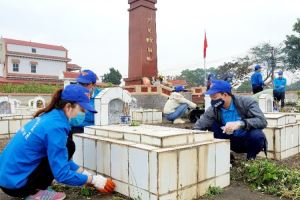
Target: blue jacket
{"x":89,"y":116}
{"x":256,"y":79}
{"x":279,"y":84}
{"x":44,"y":136}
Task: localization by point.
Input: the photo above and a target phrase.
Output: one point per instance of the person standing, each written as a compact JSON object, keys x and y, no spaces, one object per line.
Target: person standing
{"x":257,"y":80}
{"x":279,"y":88}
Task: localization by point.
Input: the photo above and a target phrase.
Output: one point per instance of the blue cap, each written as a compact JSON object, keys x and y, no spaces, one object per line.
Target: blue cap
{"x":280,"y":72}
{"x":257,"y":67}
{"x":219,"y":86}
{"x":79,"y":95}
{"x":87,"y":77}
{"x":179,"y":88}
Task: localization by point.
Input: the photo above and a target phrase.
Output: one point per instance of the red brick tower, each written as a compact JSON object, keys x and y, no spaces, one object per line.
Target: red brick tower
{"x":142,"y":41}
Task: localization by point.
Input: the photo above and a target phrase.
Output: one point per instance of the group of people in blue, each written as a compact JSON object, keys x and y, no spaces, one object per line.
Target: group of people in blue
{"x":279,"y":83}
{"x":258,"y":84}
{"x":42,"y":150}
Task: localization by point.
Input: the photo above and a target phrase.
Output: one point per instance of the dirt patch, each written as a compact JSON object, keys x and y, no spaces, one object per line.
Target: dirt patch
{"x":239,"y":191}
{"x":292,"y":162}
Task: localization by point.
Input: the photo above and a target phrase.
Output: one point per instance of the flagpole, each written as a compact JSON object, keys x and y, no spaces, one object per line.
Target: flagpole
{"x":204,"y":64}
{"x":204,"y":57}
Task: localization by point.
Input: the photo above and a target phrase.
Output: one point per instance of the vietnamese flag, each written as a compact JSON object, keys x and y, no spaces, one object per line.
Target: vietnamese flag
{"x":205,"y":46}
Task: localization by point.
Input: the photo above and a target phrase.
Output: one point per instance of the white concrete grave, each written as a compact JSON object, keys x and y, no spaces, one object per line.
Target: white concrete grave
{"x":11,"y":123}
{"x":147,"y":116}
{"x":110,"y":104}
{"x":283,"y":135}
{"x":158,"y":136}
{"x":8,"y":105}
{"x":265,"y":102}
{"x":154,"y":162}
{"x":146,"y":161}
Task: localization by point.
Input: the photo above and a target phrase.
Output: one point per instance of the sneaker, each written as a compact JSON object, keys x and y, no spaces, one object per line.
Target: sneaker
{"x":178,"y":121}
{"x":47,"y":195}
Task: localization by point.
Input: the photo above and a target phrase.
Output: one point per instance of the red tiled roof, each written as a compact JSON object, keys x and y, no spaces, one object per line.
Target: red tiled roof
{"x":178,"y":82}
{"x":71,"y":74}
{"x":73,"y":66}
{"x":34,"y":44}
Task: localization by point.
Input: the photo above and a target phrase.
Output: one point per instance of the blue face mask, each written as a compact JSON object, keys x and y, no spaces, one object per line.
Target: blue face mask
{"x":78,"y":120}
{"x":218,"y":103}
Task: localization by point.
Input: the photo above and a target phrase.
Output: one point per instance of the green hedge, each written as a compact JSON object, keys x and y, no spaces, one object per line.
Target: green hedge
{"x":29,"y":88}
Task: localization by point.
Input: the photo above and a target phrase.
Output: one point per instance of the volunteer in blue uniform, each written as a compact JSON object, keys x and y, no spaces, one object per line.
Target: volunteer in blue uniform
{"x":38,"y":153}
{"x":237,"y":118}
{"x":279,"y":88}
{"x":257,"y":80}
{"x":87,"y":79}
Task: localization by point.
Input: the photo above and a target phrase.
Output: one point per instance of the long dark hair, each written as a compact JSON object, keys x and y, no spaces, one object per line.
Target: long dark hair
{"x":55,"y":103}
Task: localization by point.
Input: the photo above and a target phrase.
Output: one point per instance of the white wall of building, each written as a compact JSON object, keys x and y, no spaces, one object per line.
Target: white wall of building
{"x":1,"y":52}
{"x":1,"y":57}
{"x":40,"y":51}
{"x":1,"y":69}
{"x":44,"y":67}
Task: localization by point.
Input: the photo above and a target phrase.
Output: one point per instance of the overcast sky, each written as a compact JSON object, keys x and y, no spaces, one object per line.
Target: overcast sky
{"x":96,"y":31}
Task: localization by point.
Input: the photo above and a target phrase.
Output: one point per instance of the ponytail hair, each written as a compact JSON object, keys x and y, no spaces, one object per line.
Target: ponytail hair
{"x":55,"y":103}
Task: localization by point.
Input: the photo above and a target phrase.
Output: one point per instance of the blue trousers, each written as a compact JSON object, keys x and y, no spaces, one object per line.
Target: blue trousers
{"x":251,"y":143}
{"x":180,"y":110}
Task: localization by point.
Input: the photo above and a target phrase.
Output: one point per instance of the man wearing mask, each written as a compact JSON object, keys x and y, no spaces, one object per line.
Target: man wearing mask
{"x":257,"y":80}
{"x":237,"y":118}
{"x":279,"y":88}
{"x":87,"y":79}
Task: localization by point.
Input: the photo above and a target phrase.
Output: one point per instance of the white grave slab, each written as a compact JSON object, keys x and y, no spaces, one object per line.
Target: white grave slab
{"x":147,"y":116}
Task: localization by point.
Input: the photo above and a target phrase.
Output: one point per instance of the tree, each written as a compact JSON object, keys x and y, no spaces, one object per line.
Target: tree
{"x":238,"y":69}
{"x":271,"y":56}
{"x":245,"y":86}
{"x":292,"y":48}
{"x":195,"y":77}
{"x":114,"y":77}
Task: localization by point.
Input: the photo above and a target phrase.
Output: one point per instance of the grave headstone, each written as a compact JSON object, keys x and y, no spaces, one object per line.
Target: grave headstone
{"x":110,"y":104}
{"x":265,"y":102}
{"x":5,"y":107}
{"x":37,"y":103}
{"x":8,"y":105}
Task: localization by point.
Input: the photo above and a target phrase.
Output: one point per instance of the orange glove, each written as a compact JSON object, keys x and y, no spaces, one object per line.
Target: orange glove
{"x":109,"y":187}
{"x":102,"y":184}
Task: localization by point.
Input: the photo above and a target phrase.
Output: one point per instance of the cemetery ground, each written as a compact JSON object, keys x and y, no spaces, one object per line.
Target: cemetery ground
{"x":249,"y":180}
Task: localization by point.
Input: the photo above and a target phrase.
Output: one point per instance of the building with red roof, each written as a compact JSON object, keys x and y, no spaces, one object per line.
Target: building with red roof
{"x":23,"y":61}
